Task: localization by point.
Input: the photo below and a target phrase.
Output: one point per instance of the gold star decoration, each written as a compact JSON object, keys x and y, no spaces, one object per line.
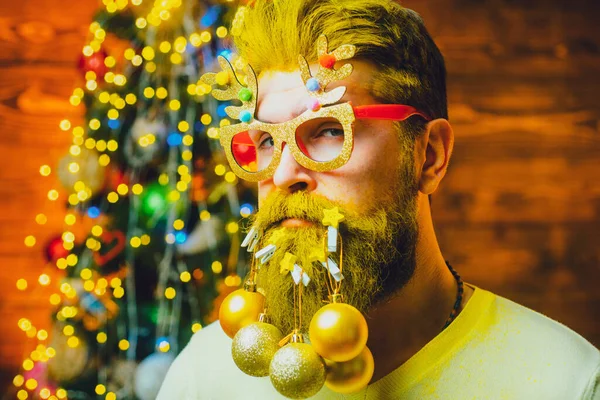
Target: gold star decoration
{"x":317,"y":254}
{"x":287,"y":264}
{"x":332,"y":217}
{"x":276,"y":236}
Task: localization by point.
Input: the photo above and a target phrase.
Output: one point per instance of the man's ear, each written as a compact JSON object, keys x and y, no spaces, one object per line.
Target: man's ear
{"x":434,"y":149}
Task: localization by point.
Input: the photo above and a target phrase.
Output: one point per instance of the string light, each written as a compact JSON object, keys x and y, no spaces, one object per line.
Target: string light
{"x":185,"y":276}
{"x":100,"y":389}
{"x":54,"y":299}
{"x":220,"y":170}
{"x":232,"y":227}
{"x":18,"y":380}
{"x":204,"y":215}
{"x":216,"y":267}
{"x":186,"y":155}
{"x":137,"y":189}
{"x":170,"y":293}
{"x":170,"y":238}
{"x":21,"y":284}
{"x":44,"y":279}
{"x":30,"y":241}
{"x":53,"y":195}
{"x":178,"y":224}
{"x":175,"y":58}
{"x":101,"y":337}
{"x":150,"y":67}
{"x":45,"y":170}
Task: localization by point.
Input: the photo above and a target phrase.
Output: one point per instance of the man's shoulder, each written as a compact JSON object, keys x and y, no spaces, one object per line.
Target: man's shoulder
{"x":209,"y":343}
{"x":210,"y":338}
{"x":535,"y":330}
{"x":540,"y":350}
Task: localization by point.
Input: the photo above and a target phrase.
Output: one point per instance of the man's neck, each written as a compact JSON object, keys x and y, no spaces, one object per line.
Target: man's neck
{"x":400,"y":326}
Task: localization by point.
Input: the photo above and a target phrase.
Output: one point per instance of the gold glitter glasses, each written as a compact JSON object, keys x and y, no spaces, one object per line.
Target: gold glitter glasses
{"x":319,"y":140}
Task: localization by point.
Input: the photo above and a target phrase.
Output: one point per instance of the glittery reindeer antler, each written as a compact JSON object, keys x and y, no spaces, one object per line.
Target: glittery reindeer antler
{"x":326,"y":73}
{"x":234,"y":90}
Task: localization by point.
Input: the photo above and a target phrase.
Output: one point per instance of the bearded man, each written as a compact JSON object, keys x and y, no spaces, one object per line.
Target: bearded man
{"x":375,"y":143}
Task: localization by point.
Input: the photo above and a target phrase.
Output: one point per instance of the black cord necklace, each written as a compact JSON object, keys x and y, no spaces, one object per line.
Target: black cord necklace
{"x":459,"y":296}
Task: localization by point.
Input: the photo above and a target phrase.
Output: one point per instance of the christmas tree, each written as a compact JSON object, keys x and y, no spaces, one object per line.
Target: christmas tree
{"x":151,"y":236}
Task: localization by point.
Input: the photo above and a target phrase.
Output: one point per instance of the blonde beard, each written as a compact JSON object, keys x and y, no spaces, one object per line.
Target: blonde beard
{"x":378,"y":258}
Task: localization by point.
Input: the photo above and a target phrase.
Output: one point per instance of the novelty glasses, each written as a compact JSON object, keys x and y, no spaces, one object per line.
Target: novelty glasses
{"x":319,"y":140}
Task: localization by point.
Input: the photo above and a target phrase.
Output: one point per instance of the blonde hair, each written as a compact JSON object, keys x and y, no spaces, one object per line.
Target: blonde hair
{"x":393,"y":38}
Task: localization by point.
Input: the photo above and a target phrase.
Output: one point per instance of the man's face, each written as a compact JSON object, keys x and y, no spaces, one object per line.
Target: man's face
{"x":375,"y":190}
{"x":365,"y":179}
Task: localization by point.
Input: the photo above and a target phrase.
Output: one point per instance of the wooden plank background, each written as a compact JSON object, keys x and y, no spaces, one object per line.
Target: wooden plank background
{"x":519,"y":212}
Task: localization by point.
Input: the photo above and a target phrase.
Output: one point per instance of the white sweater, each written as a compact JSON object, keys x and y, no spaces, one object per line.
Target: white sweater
{"x":494,"y":349}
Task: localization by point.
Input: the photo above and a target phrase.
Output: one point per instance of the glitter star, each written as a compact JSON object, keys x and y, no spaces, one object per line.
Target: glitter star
{"x":332,"y":217}
{"x":287,"y":264}
{"x":317,"y":254}
{"x":276,"y":236}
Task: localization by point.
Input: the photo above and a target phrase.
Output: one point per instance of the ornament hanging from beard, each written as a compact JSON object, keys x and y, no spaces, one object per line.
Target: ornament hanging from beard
{"x":379,"y":250}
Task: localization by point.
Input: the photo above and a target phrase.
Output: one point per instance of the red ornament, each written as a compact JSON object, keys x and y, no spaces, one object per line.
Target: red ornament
{"x":55,"y":249}
{"x":116,"y":177}
{"x":94,"y":63}
{"x":116,"y":239}
{"x":327,"y":61}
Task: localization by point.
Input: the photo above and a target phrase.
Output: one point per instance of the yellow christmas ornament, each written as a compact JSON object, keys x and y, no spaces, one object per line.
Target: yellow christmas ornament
{"x":254,"y":346}
{"x":297,"y":371}
{"x":350,"y":376}
{"x":338,"y":332}
{"x":239,"y":309}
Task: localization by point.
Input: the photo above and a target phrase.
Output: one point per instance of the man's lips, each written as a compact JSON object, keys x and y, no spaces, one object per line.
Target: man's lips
{"x":295,"y":223}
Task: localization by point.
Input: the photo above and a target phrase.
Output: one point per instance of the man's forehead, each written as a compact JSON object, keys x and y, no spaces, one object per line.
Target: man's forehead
{"x":282,"y":95}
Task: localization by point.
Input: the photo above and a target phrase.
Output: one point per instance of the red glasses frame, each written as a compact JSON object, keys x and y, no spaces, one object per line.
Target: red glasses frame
{"x":391,"y":112}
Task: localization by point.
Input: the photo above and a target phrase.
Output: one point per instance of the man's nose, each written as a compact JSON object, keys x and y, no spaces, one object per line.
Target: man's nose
{"x":291,"y":176}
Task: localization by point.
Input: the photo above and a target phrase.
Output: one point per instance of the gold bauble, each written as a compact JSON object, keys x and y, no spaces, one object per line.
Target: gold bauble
{"x":239,"y":309}
{"x":350,"y":376}
{"x":84,"y":167}
{"x":72,"y":357}
{"x":338,"y":332}
{"x":297,"y":371}
{"x":253,"y":347}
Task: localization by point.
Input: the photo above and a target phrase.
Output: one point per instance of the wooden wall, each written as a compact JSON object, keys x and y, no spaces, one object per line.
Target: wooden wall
{"x":519,"y":212}
{"x":40,"y":42}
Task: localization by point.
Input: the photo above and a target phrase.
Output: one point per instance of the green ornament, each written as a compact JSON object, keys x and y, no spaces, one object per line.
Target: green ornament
{"x":154,"y":200}
{"x":245,"y":94}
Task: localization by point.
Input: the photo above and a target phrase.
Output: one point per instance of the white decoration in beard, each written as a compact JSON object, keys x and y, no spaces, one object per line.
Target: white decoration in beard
{"x":206,"y":234}
{"x":150,"y":375}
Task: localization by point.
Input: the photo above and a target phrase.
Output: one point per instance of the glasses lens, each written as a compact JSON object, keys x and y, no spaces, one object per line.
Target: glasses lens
{"x":321,"y":139}
{"x":253,"y":151}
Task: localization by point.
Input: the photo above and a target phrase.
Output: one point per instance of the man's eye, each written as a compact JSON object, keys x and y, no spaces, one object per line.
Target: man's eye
{"x":265,"y":142}
{"x":330,"y":132}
